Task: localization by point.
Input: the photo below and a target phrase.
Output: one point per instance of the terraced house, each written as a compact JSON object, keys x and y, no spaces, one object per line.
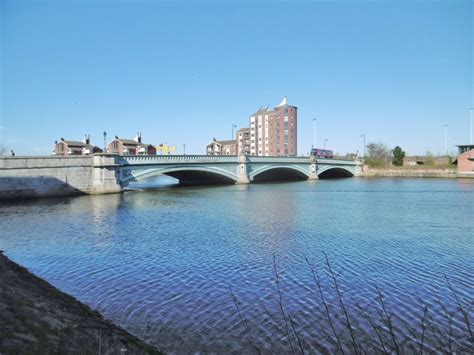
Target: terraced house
{"x":135,"y":146}
{"x":67,"y":147}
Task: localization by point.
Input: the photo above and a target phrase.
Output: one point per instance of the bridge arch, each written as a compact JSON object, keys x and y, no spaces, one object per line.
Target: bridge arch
{"x":278,"y":172}
{"x":329,"y":172}
{"x":187,"y":175}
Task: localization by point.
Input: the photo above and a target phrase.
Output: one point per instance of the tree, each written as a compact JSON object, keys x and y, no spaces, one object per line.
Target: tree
{"x":398,"y":155}
{"x":378,"y":155}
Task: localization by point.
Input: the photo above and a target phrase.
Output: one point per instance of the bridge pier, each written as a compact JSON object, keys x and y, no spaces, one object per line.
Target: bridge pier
{"x":312,"y":169}
{"x":243,"y":177}
{"x":105,"y":175}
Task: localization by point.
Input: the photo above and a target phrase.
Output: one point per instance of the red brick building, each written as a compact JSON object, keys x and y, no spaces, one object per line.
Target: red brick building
{"x":465,"y":160}
{"x":274,"y":132}
{"x":66,"y":147}
{"x":135,"y":146}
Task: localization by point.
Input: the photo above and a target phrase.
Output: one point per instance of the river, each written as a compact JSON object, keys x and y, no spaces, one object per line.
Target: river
{"x":163,"y":261}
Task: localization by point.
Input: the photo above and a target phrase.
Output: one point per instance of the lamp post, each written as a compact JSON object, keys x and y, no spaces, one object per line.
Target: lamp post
{"x":233,"y":126}
{"x":325,"y":141}
{"x":105,"y":141}
{"x":363,"y":141}
{"x":470,"y":130}
{"x":314,"y":133}
{"x":184,"y":149}
{"x":445,"y":139}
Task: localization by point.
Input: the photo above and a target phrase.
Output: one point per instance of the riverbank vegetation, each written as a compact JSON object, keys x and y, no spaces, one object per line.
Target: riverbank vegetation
{"x":349,"y":327}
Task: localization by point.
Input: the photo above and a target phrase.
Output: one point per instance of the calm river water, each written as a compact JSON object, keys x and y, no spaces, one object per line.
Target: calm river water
{"x":162,"y":263}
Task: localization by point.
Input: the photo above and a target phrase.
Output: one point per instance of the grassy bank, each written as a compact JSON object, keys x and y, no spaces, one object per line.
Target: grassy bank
{"x":37,"y":318}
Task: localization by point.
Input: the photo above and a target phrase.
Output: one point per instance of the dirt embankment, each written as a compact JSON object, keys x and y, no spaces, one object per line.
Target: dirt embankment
{"x":37,"y":318}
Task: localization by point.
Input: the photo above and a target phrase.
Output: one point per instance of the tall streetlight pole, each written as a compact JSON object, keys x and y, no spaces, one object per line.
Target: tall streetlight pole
{"x":233,"y":126}
{"x":470,"y":131}
{"x":314,"y":132}
{"x":184,"y":149}
{"x":363,"y":136}
{"x":325,"y":140}
{"x":445,"y":139}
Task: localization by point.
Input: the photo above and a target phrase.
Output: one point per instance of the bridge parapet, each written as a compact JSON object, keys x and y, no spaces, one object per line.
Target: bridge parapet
{"x":178,"y":159}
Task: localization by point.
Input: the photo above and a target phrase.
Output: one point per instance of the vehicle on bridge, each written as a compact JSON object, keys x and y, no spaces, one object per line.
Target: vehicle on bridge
{"x":322,"y":153}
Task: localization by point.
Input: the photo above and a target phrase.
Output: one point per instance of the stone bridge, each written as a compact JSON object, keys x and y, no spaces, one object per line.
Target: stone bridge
{"x":40,"y":176}
{"x":208,"y":169}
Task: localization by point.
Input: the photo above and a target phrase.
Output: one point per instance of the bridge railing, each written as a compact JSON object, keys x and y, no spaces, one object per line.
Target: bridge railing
{"x":151,"y":159}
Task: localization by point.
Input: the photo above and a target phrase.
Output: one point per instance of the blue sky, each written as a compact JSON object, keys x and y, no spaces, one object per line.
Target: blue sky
{"x":183,"y":72}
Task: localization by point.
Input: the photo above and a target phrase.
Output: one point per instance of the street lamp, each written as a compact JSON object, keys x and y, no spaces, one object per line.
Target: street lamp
{"x":105,"y":141}
{"x":363,"y":136}
{"x":184,"y":149}
{"x":233,"y":126}
{"x":314,"y":132}
{"x":445,"y":139}
{"x":325,"y":140}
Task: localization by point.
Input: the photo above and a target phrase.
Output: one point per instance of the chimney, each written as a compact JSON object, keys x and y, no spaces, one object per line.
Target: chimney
{"x":138,"y":138}
{"x":86,"y":139}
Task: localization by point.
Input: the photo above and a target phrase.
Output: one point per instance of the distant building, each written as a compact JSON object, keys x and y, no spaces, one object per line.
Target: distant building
{"x":465,"y":160}
{"x":164,"y":149}
{"x":243,"y":141}
{"x":134,"y":146}
{"x":66,"y":147}
{"x":426,"y":160}
{"x":274,"y":132}
{"x":216,"y":147}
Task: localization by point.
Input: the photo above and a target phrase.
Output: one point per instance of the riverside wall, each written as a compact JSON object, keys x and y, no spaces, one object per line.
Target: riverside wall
{"x":410,"y":172}
{"x":32,"y":177}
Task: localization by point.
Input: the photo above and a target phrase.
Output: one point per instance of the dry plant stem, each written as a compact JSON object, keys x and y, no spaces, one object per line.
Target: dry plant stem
{"x":461,"y":309}
{"x":341,"y":302}
{"x":375,"y":328}
{"x":388,"y":321}
{"x":280,"y":303}
{"x":317,"y":281}
{"x":296,"y":334}
{"x":245,"y":323}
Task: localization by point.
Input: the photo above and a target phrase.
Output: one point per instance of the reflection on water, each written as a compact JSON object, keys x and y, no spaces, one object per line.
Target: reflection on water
{"x":161,"y":262}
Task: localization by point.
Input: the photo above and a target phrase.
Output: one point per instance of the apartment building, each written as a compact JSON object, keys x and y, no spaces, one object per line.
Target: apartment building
{"x":274,"y":132}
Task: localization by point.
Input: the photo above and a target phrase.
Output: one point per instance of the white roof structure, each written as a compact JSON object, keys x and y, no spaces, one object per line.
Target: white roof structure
{"x":283,"y":102}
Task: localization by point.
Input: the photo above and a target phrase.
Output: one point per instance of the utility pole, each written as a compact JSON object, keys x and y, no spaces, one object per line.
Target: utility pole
{"x":470,"y":131}
{"x":445,"y":139}
{"x":363,"y":136}
{"x":314,"y":132}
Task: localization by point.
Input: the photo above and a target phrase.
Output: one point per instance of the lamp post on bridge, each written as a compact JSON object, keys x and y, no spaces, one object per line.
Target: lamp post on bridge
{"x":105,"y":141}
{"x":233,"y":126}
{"x":314,"y":133}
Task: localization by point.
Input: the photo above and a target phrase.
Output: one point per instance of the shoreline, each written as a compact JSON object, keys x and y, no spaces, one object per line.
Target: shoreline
{"x":36,"y":317}
{"x":410,"y":172}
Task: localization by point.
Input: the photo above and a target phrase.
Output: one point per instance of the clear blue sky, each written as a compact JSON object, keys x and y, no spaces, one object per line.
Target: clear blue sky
{"x":183,"y":72}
